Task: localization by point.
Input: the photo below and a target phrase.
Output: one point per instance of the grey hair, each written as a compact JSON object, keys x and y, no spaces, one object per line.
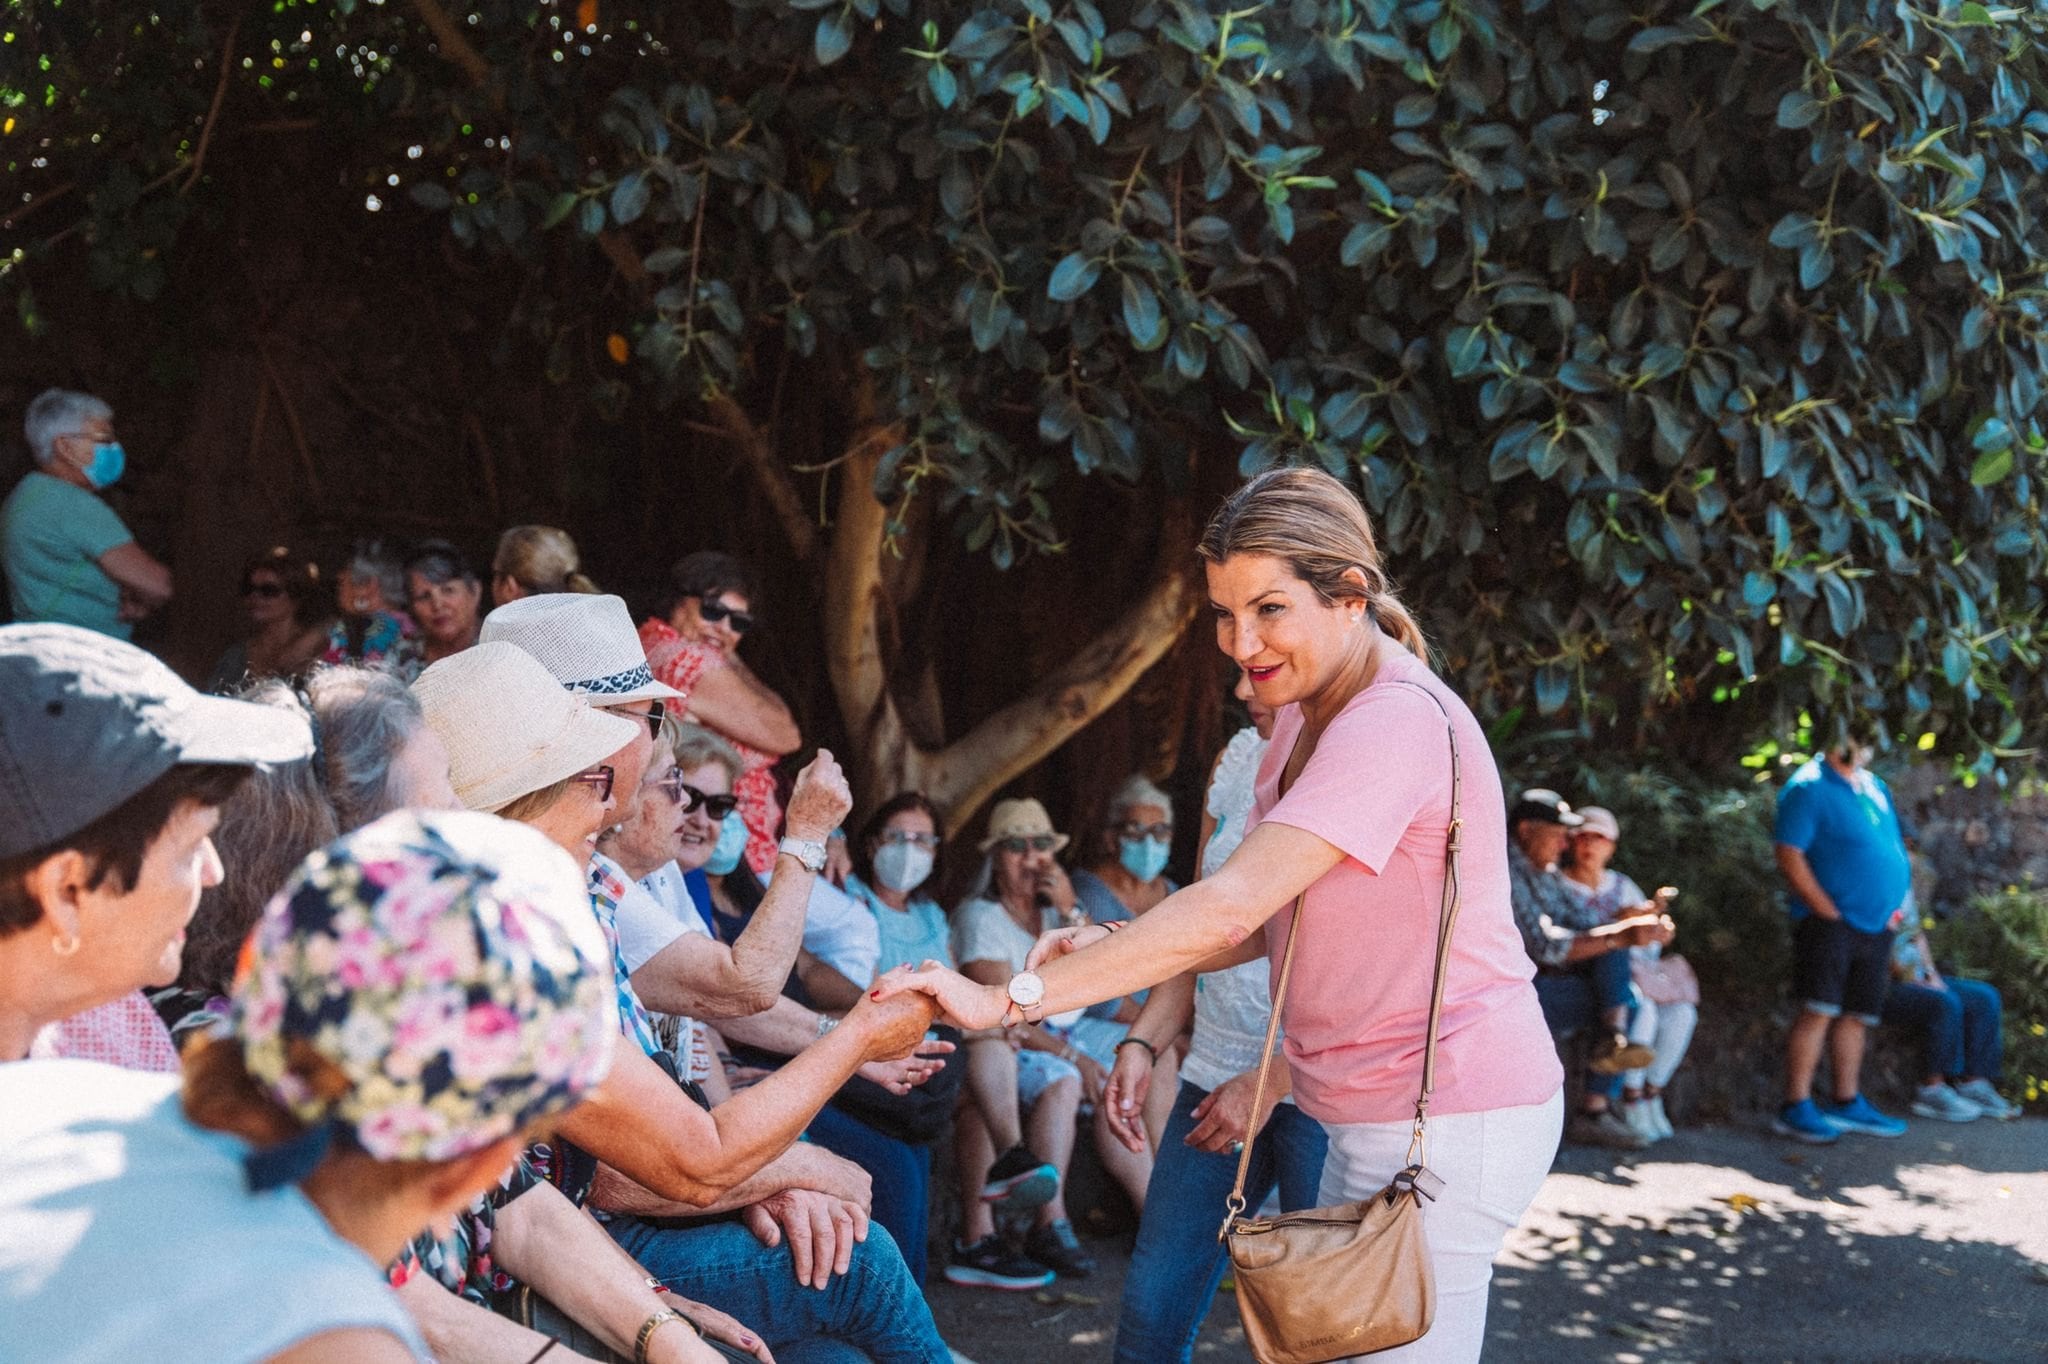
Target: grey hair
{"x":1139,"y":790}
{"x":693,"y":746}
{"x":366,"y":716}
{"x":59,"y":412}
{"x":374,"y":559}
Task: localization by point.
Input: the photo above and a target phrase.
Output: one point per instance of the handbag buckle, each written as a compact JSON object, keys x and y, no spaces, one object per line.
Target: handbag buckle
{"x":1233,"y":1209}
{"x":1416,"y":1179}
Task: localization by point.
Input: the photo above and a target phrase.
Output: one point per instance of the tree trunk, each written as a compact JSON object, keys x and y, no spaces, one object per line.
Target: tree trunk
{"x":962,"y":775}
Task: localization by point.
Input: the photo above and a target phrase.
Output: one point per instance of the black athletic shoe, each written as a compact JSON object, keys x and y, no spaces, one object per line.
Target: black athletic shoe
{"x":1056,"y":1247}
{"x":986,"y":1264}
{"x":1020,"y":1180}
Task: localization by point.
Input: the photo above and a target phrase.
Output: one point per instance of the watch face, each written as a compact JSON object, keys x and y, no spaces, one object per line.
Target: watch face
{"x":1026,"y":989}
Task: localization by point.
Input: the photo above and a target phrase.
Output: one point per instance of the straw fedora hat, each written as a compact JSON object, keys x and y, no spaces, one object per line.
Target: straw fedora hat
{"x":510,"y":728}
{"x":587,"y":642}
{"x":1021,"y":818}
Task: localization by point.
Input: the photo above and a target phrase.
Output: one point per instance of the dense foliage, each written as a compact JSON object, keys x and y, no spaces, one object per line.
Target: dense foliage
{"x":1690,"y":354}
{"x":2004,"y":939}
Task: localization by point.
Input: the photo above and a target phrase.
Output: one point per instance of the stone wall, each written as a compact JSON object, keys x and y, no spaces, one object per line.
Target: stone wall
{"x":1975,"y":840}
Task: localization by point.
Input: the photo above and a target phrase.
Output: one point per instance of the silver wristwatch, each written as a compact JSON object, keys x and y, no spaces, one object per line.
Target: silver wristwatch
{"x":811,"y":854}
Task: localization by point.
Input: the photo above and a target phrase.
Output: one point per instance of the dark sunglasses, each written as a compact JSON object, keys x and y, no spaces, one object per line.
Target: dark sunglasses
{"x":715,"y":612}
{"x":264,"y":590}
{"x":599,"y":779}
{"x":718,"y":807}
{"x":1158,"y":833}
{"x":654,"y":717}
{"x":1036,"y":843}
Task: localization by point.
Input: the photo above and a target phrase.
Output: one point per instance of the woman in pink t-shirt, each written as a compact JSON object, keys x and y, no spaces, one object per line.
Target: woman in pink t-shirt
{"x":1353,"y":807}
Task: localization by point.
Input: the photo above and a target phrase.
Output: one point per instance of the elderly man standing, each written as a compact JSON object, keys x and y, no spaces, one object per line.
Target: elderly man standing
{"x":1844,"y":860}
{"x":67,"y":555}
{"x":1582,"y":962}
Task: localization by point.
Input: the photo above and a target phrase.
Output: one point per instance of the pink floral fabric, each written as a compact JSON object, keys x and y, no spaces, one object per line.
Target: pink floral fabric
{"x":681,"y":664}
{"x":125,"y":1032}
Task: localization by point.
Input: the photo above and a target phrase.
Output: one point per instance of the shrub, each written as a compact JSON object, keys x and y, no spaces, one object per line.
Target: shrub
{"x":2003,"y":939}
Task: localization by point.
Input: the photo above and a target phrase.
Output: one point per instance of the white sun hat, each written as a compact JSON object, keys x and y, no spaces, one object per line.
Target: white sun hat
{"x":509,"y":726}
{"x":587,"y":642}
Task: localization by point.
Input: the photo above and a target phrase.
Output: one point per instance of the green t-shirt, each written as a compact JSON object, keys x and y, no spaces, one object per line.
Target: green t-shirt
{"x":52,"y":535}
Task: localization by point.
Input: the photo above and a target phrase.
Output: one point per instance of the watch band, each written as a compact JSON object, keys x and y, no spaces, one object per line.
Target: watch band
{"x":650,"y":1326}
{"x":811,"y":855}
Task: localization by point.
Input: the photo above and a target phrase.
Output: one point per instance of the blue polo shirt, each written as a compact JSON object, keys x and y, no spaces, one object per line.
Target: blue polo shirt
{"x":1850,"y":835}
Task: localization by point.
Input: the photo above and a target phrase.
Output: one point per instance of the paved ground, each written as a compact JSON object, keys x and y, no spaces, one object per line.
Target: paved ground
{"x":1724,"y":1244}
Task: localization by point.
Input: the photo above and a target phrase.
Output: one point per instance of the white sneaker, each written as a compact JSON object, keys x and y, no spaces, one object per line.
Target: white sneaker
{"x":1637,"y":1116}
{"x":1939,"y":1101}
{"x":1982,"y":1093}
{"x":1665,"y":1131}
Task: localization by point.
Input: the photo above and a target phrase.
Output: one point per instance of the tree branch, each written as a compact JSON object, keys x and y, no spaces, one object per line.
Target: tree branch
{"x":759,"y":452}
{"x":454,"y":46}
{"x":220,"y":94}
{"x":962,"y":777}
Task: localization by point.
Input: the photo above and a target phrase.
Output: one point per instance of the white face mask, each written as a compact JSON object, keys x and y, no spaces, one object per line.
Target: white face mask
{"x":902,"y":867}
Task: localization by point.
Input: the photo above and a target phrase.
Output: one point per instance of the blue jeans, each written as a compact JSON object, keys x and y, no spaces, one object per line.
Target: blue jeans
{"x":1179,"y":1262}
{"x":1959,"y":1022}
{"x":902,"y":1174}
{"x":871,"y":1312}
{"x":1574,"y":997}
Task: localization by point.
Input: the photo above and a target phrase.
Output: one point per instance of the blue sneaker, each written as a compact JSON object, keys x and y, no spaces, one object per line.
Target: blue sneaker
{"x":1805,"y":1122}
{"x":1859,"y":1115}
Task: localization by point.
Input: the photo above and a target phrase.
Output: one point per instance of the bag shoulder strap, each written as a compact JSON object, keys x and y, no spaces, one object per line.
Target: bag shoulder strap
{"x":1447,"y":916}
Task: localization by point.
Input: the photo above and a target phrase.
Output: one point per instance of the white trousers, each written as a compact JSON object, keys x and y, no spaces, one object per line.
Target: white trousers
{"x":1667,"y":1030}
{"x":1492,"y":1165}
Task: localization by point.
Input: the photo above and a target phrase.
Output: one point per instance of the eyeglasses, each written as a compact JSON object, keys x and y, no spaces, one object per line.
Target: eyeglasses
{"x":905,"y":837}
{"x":1035,"y":843}
{"x":1158,"y":833}
{"x":718,"y":807}
{"x":599,"y":779}
{"x":654,"y":717}
{"x":264,"y":590}
{"x":715,"y":612}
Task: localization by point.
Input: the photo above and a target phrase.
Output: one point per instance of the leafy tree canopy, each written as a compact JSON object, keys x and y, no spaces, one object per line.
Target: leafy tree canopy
{"x":1689,"y":354}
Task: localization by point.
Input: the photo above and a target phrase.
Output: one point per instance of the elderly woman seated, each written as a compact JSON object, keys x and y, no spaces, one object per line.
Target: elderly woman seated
{"x":645,"y":1150}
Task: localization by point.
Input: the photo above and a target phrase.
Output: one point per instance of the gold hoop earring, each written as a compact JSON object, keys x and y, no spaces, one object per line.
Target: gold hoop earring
{"x":65,"y":945}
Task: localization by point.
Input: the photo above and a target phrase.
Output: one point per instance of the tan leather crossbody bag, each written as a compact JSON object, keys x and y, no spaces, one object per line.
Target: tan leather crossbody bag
{"x":1348,"y":1280}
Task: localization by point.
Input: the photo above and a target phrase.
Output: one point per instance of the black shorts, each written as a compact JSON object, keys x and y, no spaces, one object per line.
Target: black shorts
{"x":1838,"y":970}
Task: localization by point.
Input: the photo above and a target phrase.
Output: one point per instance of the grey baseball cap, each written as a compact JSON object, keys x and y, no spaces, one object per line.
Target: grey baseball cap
{"x":86,"y":721}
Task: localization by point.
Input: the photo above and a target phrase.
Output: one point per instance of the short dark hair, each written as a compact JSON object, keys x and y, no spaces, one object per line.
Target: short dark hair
{"x":439,"y":562}
{"x":115,"y":844}
{"x":707,"y":575}
{"x":863,"y":859}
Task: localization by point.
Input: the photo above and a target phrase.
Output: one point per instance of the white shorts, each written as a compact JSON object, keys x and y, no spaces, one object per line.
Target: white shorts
{"x":1038,"y":1071}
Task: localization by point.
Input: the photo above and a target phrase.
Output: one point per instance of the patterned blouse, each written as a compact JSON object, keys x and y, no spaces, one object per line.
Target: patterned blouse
{"x":389,"y":640}
{"x":681,"y":664}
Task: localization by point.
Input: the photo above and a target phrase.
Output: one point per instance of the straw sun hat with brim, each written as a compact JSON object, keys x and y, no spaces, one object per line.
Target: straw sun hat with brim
{"x":587,"y":642}
{"x":1022,"y":818}
{"x":509,"y":726}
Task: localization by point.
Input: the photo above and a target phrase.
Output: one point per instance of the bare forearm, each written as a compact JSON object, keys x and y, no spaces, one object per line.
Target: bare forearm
{"x":558,"y":1250}
{"x":460,"y":1332}
{"x":1798,"y":873}
{"x":615,"y":1193}
{"x":651,"y":1131}
{"x":1168,"y":1010}
{"x":785,"y":1029}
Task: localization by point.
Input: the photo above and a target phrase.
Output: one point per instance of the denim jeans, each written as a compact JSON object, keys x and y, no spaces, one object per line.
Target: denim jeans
{"x":1574,"y":997}
{"x":1959,"y":1022}
{"x":903,"y":1179}
{"x":1179,"y":1261}
{"x":871,"y":1312}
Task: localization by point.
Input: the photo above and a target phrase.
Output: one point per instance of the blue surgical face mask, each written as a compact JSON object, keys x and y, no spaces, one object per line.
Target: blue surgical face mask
{"x":1142,"y":857}
{"x":732,"y":842}
{"x":109,"y":461}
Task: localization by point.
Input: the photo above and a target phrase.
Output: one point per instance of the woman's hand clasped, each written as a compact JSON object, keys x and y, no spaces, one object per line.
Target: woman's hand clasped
{"x":964,"y":1004}
{"x":1225,"y":1117}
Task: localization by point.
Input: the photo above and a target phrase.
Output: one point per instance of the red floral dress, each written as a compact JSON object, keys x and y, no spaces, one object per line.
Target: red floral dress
{"x":681,"y":664}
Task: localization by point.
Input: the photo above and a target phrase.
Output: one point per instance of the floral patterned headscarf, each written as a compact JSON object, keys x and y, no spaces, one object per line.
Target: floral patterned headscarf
{"x":446,"y":968}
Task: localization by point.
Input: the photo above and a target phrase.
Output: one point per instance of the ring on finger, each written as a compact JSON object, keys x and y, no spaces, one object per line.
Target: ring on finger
{"x":1236,"y":1148}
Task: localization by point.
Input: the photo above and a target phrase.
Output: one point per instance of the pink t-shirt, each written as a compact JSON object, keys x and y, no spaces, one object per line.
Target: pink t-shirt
{"x":1378,"y":788}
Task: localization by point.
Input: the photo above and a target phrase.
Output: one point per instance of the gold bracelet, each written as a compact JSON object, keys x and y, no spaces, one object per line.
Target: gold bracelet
{"x":649,"y":1327}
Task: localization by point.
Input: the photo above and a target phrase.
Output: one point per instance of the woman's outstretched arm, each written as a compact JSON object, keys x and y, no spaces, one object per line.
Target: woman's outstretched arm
{"x":1190,"y":928}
